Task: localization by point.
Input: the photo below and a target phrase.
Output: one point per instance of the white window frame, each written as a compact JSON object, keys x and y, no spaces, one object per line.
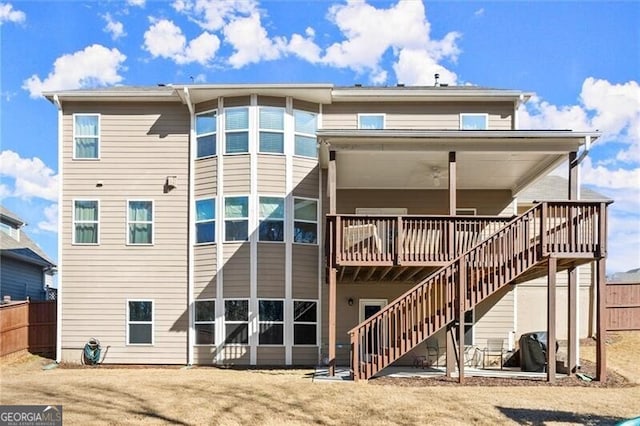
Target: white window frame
{"x":317,"y":221}
{"x":76,"y":135}
{"x":215,"y":134}
{"x":283,"y":220}
{"x":248,"y":321}
{"x":196,"y":322}
{"x":263,"y":299}
{"x":294,"y":322}
{"x":151,"y":222}
{"x":370,"y":114}
{"x":152,"y":322}
{"x":247,"y":130}
{"x":466,"y":211}
{"x":196,"y":221}
{"x":74,"y":221}
{"x":308,"y":135}
{"x":245,"y":218}
{"x":373,"y":302}
{"x":474,"y":114}
{"x":261,"y":130}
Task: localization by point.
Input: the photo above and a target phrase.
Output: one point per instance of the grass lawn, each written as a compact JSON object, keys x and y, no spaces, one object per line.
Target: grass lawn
{"x":228,"y":397}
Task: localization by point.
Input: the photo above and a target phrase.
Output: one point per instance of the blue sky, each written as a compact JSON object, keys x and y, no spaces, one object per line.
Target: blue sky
{"x":581,"y":59}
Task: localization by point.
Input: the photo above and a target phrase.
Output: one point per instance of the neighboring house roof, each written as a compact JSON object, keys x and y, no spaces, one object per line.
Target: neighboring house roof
{"x":25,"y":249}
{"x":631,"y":276}
{"x":10,"y":216}
{"x":555,"y":188}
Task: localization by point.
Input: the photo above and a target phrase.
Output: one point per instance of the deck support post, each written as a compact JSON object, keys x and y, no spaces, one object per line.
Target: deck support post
{"x":452,"y":205}
{"x":332,"y":321}
{"x":552,"y":268}
{"x":572,"y":275}
{"x":460,"y":308}
{"x":601,"y":326}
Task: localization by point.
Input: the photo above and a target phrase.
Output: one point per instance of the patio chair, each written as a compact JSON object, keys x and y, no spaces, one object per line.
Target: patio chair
{"x":495,"y":347}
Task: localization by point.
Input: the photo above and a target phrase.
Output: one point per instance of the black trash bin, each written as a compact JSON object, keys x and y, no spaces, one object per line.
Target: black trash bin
{"x":533,"y":351}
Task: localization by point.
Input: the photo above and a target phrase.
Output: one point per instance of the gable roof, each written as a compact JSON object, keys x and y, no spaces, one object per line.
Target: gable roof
{"x":26,"y":249}
{"x":555,"y":188}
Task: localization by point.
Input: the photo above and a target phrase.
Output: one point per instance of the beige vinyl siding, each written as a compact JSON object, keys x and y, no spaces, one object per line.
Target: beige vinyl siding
{"x":237,"y":101}
{"x":237,"y":174}
{"x":270,"y":355}
{"x":272,"y":101}
{"x":305,"y":271}
{"x":494,"y":318}
{"x":306,"y":175}
{"x":305,"y":106}
{"x":426,"y":202}
{"x":141,"y":144}
{"x":235,"y":355}
{"x":235,"y":271}
{"x":204,"y":276}
{"x":304,"y":355}
{"x":417,"y":115}
{"x":271,"y":270}
{"x":206,"y":177}
{"x":271,"y":174}
{"x":532,"y":304}
{"x":204,"y":355}
{"x":206,"y":106}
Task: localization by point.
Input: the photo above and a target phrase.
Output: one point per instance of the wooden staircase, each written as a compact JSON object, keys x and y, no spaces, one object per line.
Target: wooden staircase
{"x":574,"y":232}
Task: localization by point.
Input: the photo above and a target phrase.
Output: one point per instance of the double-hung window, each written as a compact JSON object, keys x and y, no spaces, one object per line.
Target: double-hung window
{"x":271,"y":219}
{"x":86,"y":221}
{"x":236,"y":122}
{"x":305,"y":322}
{"x":140,"y":322}
{"x":236,"y":317}
{"x":140,"y":222}
{"x":305,"y":134}
{"x":270,"y":322}
{"x":371,"y":121}
{"x":305,"y":221}
{"x":86,"y":136}
{"x":271,"y":137}
{"x":474,"y":121}
{"x":205,"y":322}
{"x":236,"y":218}
{"x":206,"y":130}
{"x":206,"y":221}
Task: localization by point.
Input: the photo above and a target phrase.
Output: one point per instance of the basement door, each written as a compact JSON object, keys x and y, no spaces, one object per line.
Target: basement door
{"x":369,"y":307}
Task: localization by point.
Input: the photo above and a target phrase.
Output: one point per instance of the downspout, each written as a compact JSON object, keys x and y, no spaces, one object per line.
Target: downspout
{"x":190,"y":233}
{"x":58,"y":104}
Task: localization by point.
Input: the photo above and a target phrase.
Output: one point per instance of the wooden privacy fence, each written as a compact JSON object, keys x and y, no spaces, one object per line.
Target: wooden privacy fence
{"x":623,"y":306}
{"x":30,"y":326}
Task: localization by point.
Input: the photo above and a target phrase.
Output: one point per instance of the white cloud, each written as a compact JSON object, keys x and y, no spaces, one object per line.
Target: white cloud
{"x":96,"y":65}
{"x":9,"y":14}
{"x":32,"y":178}
{"x":606,"y":178}
{"x":113,"y":27}
{"x":213,"y":15}
{"x":165,"y":39}
{"x":251,"y":41}
{"x":479,"y":12}
{"x":138,"y":3}
{"x":305,"y":47}
{"x":51,"y":219}
{"x":403,"y":28}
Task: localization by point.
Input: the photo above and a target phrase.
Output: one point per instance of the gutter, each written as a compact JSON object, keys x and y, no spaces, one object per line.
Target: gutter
{"x":56,"y":101}
{"x":190,"y":231}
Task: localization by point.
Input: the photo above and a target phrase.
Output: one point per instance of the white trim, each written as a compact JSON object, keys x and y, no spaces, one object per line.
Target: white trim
{"x":152,"y":322}
{"x":88,"y":114}
{"x":73,"y":222}
{"x":283,"y":220}
{"x":246,"y":218}
{"x":60,"y":227}
{"x":247,"y":130}
{"x":289,"y":135}
{"x":372,"y":302}
{"x":191,"y":228}
{"x":196,"y":221}
{"x":195,"y":135}
{"x":474,"y":114}
{"x":284,"y":320}
{"x":373,"y":114}
{"x":195,"y":302}
{"x":253,"y":229}
{"x":466,"y":211}
{"x":321,"y":196}
{"x":317,"y":221}
{"x":152,"y":222}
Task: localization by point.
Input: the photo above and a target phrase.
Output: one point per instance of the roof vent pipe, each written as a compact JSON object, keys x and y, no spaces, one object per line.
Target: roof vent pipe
{"x":437,"y":76}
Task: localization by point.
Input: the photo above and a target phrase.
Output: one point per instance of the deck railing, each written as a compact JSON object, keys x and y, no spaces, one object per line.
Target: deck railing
{"x":406,"y":240}
{"x":564,"y":229}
